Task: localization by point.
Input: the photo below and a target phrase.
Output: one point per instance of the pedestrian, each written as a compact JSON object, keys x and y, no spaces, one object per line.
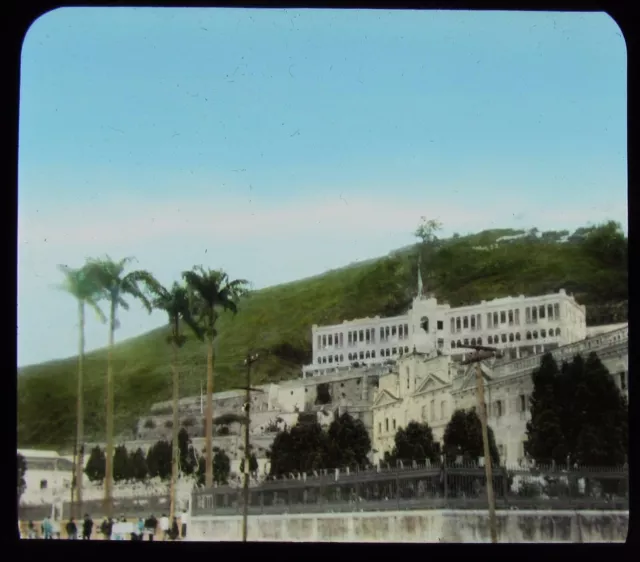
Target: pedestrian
{"x":106,"y":528}
{"x":164,"y":527}
{"x":184,"y":520}
{"x":72,"y":530}
{"x":47,"y":528}
{"x":152,"y":526}
{"x":140,"y":526}
{"x":175,"y":531}
{"x":31,"y":530}
{"x":87,"y":527}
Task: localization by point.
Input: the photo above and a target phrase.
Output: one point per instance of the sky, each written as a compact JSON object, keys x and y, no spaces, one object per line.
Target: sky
{"x":278,"y":144}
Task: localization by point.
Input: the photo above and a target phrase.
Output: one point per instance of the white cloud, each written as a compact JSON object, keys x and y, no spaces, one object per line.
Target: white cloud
{"x":266,"y":243}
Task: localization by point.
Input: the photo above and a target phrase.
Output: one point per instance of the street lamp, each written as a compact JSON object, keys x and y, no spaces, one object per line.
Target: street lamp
{"x":481,"y":353}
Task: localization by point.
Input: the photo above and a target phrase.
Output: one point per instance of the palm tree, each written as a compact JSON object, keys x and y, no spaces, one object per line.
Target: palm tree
{"x":115,"y":284}
{"x":86,"y":292}
{"x":211,"y":291}
{"x":176,"y":303}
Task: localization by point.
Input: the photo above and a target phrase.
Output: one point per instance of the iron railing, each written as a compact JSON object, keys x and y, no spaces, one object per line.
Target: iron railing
{"x":425,"y":487}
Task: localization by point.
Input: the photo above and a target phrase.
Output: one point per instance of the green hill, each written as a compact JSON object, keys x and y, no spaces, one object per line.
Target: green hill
{"x":591,"y":263}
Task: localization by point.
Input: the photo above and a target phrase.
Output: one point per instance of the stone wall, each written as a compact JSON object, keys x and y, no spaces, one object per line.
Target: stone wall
{"x":420,"y":526}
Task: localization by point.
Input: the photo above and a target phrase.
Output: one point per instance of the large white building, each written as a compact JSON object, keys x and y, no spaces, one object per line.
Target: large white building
{"x":520,"y":326}
{"x":48,"y":477}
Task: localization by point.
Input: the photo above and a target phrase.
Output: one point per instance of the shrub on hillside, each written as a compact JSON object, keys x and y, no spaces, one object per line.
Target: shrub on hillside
{"x":150,"y":424}
{"x":168,"y":424}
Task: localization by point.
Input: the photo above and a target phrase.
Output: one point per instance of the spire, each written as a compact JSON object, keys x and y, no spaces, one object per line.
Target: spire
{"x":420,"y":284}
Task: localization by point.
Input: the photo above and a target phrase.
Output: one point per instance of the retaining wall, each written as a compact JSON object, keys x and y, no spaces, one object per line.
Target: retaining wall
{"x":419,"y":526}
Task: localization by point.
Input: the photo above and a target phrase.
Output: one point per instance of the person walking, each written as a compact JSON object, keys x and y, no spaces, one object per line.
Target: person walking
{"x":151,"y":525}
{"x":164,"y":527}
{"x":47,"y":528}
{"x":175,"y":531}
{"x":140,"y":525}
{"x":184,"y":520}
{"x":87,"y":527}
{"x":72,"y":530}
{"x":31,"y":530}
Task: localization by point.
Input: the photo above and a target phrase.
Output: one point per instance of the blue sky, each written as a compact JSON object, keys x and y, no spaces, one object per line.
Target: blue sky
{"x":278,"y":144}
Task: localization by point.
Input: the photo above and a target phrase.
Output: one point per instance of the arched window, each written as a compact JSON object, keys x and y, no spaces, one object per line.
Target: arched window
{"x":535,"y":334}
{"x":528,"y":335}
{"x":518,"y":336}
{"x":473,"y":341}
{"x":424,"y":324}
{"x":341,"y":358}
{"x":543,"y":333}
{"x":490,"y":340}
{"x":367,"y":355}
{"x":459,"y":343}
{"x":511,"y":337}
{"x":406,"y":349}
{"x":479,"y":341}
{"x":453,"y":344}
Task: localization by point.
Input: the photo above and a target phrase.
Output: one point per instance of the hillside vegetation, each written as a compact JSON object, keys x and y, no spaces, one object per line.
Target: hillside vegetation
{"x":591,"y":263}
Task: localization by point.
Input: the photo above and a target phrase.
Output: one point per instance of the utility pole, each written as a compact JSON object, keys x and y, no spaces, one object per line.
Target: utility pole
{"x":248,"y":363}
{"x":481,"y":353}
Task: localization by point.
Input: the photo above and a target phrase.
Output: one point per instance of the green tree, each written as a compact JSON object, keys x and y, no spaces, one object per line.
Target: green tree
{"x":578,"y":415}
{"x":22,"y":470}
{"x":159,"y":460}
{"x":211,"y":292}
{"x":186,"y":453}
{"x":253,"y":464}
{"x":139,"y":470}
{"x":86,"y":292}
{"x":545,"y":436}
{"x":221,"y":468}
{"x":415,"y":443}
{"x":95,"y":465}
{"x":463,"y":437}
{"x":300,"y":449}
{"x":177,"y":305}
{"x":115,"y":284}
{"x":121,"y":464}
{"x":349,"y":443}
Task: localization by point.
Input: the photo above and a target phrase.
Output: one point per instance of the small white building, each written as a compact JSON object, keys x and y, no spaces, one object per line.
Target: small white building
{"x":48,"y":477}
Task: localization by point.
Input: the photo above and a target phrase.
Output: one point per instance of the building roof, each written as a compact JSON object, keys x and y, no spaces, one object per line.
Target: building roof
{"x":38,"y":454}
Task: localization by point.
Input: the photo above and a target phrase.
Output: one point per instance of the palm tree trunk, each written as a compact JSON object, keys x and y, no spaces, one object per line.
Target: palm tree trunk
{"x":175,"y":450}
{"x":79,"y":449}
{"x":108,"y":481}
{"x":209,"y":419}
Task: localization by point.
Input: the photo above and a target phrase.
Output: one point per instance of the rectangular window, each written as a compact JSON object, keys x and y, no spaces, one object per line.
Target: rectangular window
{"x":443,"y":410}
{"x":373,"y":354}
{"x":381,"y":334}
{"x":542,"y":311}
{"x":466,"y":341}
{"x":534,"y":314}
{"x":367,"y":336}
{"x":432,"y":407}
{"x":517,"y":318}
{"x":503,"y":338}
{"x":379,"y":427}
{"x":440,"y":325}
{"x":522,"y":403}
{"x":503,"y":317}
{"x":458,"y":324}
{"x":556,"y":311}
{"x":465,"y":322}
{"x":479,"y":322}
{"x":453,"y":325}
{"x":373,"y":335}
{"x":511,"y":318}
{"x":394,"y":423}
{"x":489,"y":320}
{"x":473,"y":322}
{"x":361,"y":335}
{"x":386,"y":332}
{"x":394,"y":351}
{"x":527,"y":313}
{"x":324,"y":341}
{"x":330,"y":358}
{"x":550,"y":312}
{"x":499,"y":411}
{"x":393,"y":330}
{"x":386,"y":424}
{"x":362,"y":355}
{"x":495,"y":319}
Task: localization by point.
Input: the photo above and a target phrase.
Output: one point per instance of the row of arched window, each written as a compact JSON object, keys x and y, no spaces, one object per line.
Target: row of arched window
{"x":389,"y":352}
{"x":503,"y":338}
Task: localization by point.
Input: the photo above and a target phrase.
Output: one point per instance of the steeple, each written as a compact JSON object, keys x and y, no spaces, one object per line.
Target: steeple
{"x":421,"y":293}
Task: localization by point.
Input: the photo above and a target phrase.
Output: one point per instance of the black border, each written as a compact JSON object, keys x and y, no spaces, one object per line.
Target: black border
{"x":19,"y":17}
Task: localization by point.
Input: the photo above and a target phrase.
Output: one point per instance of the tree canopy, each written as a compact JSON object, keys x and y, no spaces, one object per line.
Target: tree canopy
{"x":22,"y":470}
{"x":415,"y":443}
{"x":578,"y":414}
{"x":463,"y":438}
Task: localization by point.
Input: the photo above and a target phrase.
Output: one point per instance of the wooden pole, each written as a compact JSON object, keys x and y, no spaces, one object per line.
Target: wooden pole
{"x":245,"y":507}
{"x":482,"y":410}
{"x":174,"y":445}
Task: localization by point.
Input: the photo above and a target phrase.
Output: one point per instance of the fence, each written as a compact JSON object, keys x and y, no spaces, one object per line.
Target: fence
{"x":425,"y":487}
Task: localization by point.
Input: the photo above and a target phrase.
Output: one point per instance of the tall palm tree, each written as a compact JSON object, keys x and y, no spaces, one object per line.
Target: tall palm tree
{"x":176,"y":303}
{"x":87,"y":293}
{"x":211,"y":291}
{"x":116,"y":284}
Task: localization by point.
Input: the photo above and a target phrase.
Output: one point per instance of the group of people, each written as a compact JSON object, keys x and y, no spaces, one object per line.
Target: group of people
{"x":113,"y":529}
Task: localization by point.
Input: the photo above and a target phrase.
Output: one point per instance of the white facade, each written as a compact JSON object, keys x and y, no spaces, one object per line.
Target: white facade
{"x":48,"y":477}
{"x":521,"y":326}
